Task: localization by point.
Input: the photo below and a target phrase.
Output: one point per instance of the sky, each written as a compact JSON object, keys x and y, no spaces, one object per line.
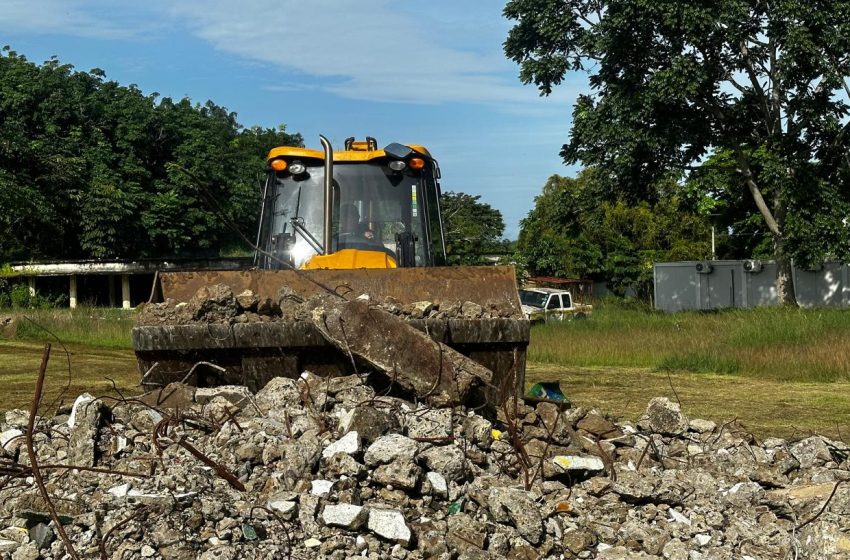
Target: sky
{"x":430,"y":73}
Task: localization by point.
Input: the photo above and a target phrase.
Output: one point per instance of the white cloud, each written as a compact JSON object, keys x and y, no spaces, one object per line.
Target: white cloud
{"x":379,"y":50}
{"x":428,"y":53}
{"x":68,"y":18}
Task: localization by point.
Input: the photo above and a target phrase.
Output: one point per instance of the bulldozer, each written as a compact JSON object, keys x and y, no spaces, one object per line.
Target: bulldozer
{"x":361,"y":222}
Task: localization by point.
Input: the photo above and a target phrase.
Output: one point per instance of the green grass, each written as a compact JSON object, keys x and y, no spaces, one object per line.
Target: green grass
{"x":90,"y":326}
{"x":770,"y":343}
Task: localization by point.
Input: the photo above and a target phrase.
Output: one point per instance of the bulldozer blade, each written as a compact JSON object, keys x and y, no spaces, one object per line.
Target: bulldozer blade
{"x":252,"y":353}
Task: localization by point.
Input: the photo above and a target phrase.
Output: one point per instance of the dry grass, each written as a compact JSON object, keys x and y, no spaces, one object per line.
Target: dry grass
{"x":89,"y":366}
{"x":765,"y":407}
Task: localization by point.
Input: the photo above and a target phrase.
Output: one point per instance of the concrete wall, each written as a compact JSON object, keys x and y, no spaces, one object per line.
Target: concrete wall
{"x":679,"y":286}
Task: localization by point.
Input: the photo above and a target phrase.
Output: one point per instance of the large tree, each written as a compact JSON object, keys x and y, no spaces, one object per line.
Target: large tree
{"x":575,"y":231}
{"x":473,"y":228}
{"x":672,"y":83}
{"x":93,"y":169}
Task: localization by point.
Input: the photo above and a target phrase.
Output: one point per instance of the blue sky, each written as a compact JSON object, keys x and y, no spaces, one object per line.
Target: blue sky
{"x":431,"y":73}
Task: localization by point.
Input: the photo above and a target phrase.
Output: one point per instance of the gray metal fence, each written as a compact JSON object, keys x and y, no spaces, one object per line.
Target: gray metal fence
{"x":704,"y":285}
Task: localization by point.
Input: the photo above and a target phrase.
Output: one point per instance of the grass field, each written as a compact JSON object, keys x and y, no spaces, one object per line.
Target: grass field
{"x":777,"y":344}
{"x":98,"y":347}
{"x":779,"y":371}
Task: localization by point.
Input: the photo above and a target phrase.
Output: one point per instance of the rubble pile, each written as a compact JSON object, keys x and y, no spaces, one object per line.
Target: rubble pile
{"x":326,"y":468}
{"x":217,"y":304}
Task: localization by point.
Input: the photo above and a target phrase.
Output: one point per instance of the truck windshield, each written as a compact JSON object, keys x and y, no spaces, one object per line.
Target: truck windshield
{"x":531,"y":298}
{"x":372,"y":205}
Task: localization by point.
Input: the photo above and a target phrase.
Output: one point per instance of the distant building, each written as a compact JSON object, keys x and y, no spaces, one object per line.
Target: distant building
{"x":705,"y":285}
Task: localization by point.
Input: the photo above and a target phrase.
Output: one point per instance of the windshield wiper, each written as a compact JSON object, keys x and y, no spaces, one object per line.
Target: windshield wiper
{"x":298,"y":226}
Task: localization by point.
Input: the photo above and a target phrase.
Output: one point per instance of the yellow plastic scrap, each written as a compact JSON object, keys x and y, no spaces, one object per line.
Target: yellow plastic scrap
{"x":497,"y":434}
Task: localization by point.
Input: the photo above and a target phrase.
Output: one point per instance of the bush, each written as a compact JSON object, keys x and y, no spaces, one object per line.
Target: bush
{"x":17,"y":296}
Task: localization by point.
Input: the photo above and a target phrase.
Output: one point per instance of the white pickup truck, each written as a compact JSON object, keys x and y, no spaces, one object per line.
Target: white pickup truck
{"x":547,"y":304}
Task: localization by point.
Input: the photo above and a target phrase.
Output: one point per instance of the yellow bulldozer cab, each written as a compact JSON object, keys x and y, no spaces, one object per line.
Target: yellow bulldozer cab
{"x":384,"y":208}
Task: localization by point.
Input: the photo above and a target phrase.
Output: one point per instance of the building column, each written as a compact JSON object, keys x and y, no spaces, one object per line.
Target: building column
{"x":31,"y":282}
{"x":72,"y":300}
{"x":110,"y":280}
{"x":125,"y":291}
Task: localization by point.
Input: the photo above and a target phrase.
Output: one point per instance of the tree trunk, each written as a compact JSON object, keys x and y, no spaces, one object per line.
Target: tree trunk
{"x":775,"y":222}
{"x":784,"y":277}
{"x":784,"y":274}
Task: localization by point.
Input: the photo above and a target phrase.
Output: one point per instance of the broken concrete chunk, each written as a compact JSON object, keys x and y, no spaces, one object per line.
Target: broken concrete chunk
{"x":448,"y":460}
{"x":213,"y":303}
{"x":278,"y":394}
{"x":285,"y":508}
{"x":238,"y":395}
{"x":579,"y":463}
{"x":510,"y":505}
{"x":663,"y":416}
{"x":599,"y":426}
{"x":398,"y":474}
{"x":811,"y":452}
{"x":10,"y":437}
{"x":429,"y":423}
{"x":389,"y":448}
{"x":348,"y":444}
{"x":248,"y":300}
{"x":369,"y":422}
{"x":437,"y":373}
{"x":389,"y":524}
{"x":321,"y":487}
{"x":438,"y":483}
{"x":84,"y":421}
{"x":348,"y":516}
{"x":702,"y":426}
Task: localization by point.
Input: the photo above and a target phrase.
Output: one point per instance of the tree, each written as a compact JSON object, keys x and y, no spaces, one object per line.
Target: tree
{"x":763,"y":83}
{"x":473,"y":229}
{"x":573,"y":231}
{"x":93,"y":169}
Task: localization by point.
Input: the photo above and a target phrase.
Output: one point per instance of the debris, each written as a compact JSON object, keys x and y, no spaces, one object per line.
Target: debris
{"x":663,"y":416}
{"x":437,"y":373}
{"x":390,"y":448}
{"x":542,"y":481}
{"x":349,"y":444}
{"x":389,"y":524}
{"x":348,"y":516}
{"x":579,"y":463}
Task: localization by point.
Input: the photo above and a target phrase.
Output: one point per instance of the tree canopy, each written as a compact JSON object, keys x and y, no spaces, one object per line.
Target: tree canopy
{"x":574,"y":231}
{"x":473,"y":229}
{"x":758,"y":89}
{"x":93,"y":169}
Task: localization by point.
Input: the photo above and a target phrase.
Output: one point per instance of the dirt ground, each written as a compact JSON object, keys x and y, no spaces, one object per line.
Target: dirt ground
{"x":767,"y":408}
{"x":89,"y":368}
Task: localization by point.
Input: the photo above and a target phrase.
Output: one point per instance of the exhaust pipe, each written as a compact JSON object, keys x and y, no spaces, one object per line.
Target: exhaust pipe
{"x":329,"y":193}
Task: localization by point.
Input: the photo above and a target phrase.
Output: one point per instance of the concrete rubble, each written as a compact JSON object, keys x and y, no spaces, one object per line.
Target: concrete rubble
{"x":328,"y":468}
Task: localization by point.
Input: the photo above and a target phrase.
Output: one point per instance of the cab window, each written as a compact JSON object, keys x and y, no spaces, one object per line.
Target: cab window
{"x":554,"y":302}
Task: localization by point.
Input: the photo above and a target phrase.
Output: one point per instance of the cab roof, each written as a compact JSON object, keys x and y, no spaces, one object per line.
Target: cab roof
{"x":339,"y":155}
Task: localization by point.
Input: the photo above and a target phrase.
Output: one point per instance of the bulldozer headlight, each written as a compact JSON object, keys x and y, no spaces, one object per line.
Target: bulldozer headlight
{"x":296,"y":168}
{"x":278,"y":164}
{"x":397,"y":165}
{"x":417,"y":163}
